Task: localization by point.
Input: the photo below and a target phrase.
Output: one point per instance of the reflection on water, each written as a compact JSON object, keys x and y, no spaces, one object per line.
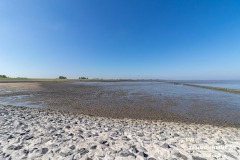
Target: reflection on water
{"x":190,"y":102}
{"x":182,"y":99}
{"x":20,"y":100}
{"x":230,"y":84}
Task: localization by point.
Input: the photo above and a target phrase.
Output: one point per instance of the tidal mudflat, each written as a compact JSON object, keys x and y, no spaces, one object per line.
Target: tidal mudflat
{"x":117,"y":120}
{"x":135,"y":99}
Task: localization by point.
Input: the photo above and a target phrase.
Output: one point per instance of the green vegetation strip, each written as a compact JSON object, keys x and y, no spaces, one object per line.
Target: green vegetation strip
{"x":57,"y":79}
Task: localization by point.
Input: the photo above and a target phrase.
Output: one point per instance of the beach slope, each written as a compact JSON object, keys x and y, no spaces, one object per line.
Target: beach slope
{"x":27,"y":133}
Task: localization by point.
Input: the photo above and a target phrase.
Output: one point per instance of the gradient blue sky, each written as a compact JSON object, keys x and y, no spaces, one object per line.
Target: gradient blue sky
{"x":165,"y":39}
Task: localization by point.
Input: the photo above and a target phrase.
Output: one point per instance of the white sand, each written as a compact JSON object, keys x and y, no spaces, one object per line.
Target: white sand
{"x":42,"y":134}
{"x":14,"y":87}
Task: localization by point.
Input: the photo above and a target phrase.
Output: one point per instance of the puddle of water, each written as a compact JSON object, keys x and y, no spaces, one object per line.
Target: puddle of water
{"x":20,"y":100}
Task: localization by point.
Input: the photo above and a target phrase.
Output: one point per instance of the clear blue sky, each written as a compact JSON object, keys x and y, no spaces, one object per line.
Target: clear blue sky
{"x":166,"y":39}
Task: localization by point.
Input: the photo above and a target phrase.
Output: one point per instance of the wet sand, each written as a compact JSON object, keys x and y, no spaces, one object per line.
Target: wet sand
{"x":99,"y":100}
{"x":13,"y":87}
{"x":72,"y":121}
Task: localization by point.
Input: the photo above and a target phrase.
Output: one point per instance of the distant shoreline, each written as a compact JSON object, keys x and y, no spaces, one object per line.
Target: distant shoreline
{"x":16,"y":80}
{"x":6,"y":80}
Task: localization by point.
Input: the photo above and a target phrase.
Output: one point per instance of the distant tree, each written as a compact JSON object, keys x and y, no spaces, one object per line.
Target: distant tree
{"x":3,"y":76}
{"x":83,"y":78}
{"x":62,"y":77}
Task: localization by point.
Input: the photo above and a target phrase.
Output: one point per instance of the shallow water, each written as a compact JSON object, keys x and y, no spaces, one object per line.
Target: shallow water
{"x":157,"y":100}
{"x":230,"y":84}
{"x":20,"y":100}
{"x":181,"y":99}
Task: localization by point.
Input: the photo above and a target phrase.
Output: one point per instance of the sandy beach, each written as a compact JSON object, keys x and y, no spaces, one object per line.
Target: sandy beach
{"x":27,"y":133}
{"x":64,"y":120}
{"x":119,"y":80}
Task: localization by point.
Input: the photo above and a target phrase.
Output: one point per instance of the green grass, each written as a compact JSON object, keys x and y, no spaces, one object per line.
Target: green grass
{"x":56,"y":79}
{"x":68,"y":79}
{"x":8,"y":79}
{"x":35,"y":79}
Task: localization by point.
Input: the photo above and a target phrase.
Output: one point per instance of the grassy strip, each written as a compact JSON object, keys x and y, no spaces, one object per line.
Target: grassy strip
{"x":9,"y":79}
{"x":56,"y":79}
{"x":34,"y":79}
